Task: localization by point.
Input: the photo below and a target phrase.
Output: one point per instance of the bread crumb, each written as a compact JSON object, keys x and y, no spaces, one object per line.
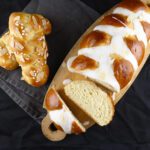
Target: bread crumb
{"x":66,"y":81}
{"x":86,"y":123}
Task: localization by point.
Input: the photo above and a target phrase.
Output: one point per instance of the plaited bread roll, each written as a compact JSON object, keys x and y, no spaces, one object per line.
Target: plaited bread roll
{"x":7,"y":59}
{"x":113,"y":51}
{"x":27,"y":41}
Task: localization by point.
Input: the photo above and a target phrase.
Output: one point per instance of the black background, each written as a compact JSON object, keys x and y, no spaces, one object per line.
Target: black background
{"x":130,"y":128}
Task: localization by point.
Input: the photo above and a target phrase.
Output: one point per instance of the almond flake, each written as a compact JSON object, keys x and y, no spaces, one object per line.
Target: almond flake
{"x":33,"y":73}
{"x":41,"y":38}
{"x":18,"y":32}
{"x":17,"y":24}
{"x":22,"y":58}
{"x":40,"y":76}
{"x":34,"y":21}
{"x":12,"y":43}
{"x":17,"y":18}
{"x":3,"y":51}
{"x":19,"y":45}
{"x":44,"y":23}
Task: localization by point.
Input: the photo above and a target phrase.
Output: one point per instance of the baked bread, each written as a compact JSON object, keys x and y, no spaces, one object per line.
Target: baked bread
{"x":93,"y":100}
{"x":118,"y":27}
{"x":7,"y":60}
{"x":27,"y":42}
{"x":60,"y":115}
{"x":112,"y":52}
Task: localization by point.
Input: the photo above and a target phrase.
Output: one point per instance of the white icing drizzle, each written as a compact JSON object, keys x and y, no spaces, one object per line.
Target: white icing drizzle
{"x":63,"y":117}
{"x":104,"y":74}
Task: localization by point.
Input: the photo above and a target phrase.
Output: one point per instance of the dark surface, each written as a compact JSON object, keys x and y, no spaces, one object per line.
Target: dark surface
{"x":130,"y":128}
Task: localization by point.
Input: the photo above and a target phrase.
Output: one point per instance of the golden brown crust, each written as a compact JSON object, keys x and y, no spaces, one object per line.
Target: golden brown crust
{"x":146,"y":27}
{"x":52,"y":101}
{"x":75,"y":128}
{"x":123,"y":71}
{"x":136,"y":47}
{"x":116,"y":20}
{"x":83,"y":62}
{"x":95,"y":38}
{"x":27,"y":42}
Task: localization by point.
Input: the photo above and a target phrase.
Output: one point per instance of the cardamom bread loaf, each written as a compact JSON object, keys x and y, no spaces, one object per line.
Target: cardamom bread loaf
{"x":92,"y":99}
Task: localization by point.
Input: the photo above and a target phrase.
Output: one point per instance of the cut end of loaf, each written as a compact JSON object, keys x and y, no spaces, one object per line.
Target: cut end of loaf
{"x":92,"y":99}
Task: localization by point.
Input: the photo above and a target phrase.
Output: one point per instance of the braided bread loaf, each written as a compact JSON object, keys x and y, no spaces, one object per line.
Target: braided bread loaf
{"x":112,"y":52}
{"x":27,"y":42}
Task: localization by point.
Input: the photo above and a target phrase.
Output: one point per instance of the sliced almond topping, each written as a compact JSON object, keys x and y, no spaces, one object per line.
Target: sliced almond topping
{"x":16,"y":23}
{"x":22,"y":58}
{"x":3,"y":51}
{"x":17,"y":18}
{"x":40,"y":76}
{"x":18,"y":32}
{"x":34,"y":21}
{"x":19,"y":45}
{"x":41,"y":38}
{"x":12,"y":43}
{"x":27,"y":57}
{"x":33,"y":73}
{"x":44,"y":23}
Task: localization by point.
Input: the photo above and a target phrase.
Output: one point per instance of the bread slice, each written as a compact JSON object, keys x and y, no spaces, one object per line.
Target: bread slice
{"x":92,"y":99}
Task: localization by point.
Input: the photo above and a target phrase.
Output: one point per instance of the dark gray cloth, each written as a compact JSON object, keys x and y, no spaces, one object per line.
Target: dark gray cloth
{"x":69,"y":20}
